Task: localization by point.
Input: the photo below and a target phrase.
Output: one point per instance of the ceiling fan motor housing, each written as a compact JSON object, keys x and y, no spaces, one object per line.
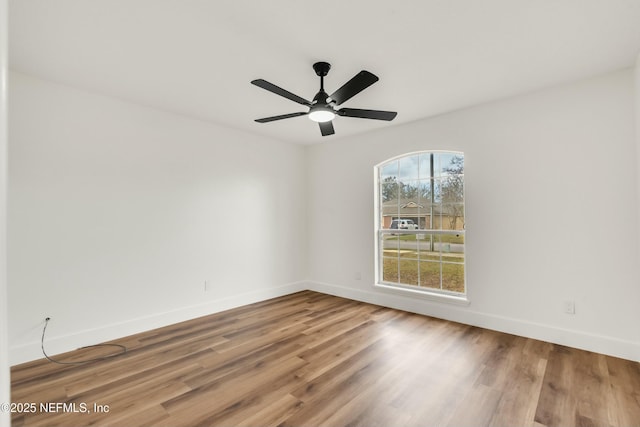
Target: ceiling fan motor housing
{"x":322,"y":68}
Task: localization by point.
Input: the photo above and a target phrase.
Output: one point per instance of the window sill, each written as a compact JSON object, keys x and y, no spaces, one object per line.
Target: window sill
{"x":425,"y":294}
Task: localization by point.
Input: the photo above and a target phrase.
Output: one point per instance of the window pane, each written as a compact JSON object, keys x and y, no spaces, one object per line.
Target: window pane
{"x":442,"y":162}
{"x":452,"y":189}
{"x":425,"y":166}
{"x":408,"y":246}
{"x":408,"y":168}
{"x":430,"y":274}
{"x":424,"y":202}
{"x":437,"y":217}
{"x":409,"y":208}
{"x":409,"y":190}
{"x":388,"y":192}
{"x":409,"y":271}
{"x":452,"y":164}
{"x":437,"y":191}
{"x":446,"y":164}
{"x":388,"y":204}
{"x":390,"y":270}
{"x":452,"y":244}
{"x":389,"y":245}
{"x":424,"y":191}
{"x":389,"y":172}
{"x":452,"y":216}
{"x":429,"y":246}
{"x":389,"y":260}
{"x":453,"y":277}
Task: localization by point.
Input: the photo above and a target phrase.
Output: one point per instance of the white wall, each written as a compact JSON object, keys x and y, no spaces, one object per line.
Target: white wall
{"x":551,"y":213}
{"x":5,"y":380}
{"x":637,"y":119}
{"x":118,"y":215}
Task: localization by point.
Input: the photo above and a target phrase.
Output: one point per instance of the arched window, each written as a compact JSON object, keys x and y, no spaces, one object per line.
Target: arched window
{"x":421,"y":227}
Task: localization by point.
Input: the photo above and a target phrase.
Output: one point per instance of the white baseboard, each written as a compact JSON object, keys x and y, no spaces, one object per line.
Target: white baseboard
{"x":60,"y":344}
{"x":577,"y":339}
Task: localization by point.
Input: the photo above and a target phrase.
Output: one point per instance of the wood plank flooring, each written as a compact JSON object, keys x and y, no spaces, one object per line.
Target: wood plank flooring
{"x":309,"y":359}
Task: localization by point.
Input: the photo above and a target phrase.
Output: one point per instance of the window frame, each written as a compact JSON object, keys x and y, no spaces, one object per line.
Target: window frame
{"x":441,"y":295}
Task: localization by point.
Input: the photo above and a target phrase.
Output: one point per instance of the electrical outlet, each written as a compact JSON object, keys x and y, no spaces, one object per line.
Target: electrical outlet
{"x":206,"y":286}
{"x":570,"y":307}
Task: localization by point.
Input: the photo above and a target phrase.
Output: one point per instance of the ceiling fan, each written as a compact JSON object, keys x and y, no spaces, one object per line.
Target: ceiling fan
{"x":322,"y":108}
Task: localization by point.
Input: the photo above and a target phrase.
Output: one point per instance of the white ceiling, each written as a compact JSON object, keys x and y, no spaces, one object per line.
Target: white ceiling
{"x":197,"y":57}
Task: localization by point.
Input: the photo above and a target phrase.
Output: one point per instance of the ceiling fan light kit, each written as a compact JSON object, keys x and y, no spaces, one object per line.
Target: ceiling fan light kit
{"x":321,"y":114}
{"x":322,"y":108}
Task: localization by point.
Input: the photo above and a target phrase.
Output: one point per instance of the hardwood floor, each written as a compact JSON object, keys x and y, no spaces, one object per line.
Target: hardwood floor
{"x":310,"y":359}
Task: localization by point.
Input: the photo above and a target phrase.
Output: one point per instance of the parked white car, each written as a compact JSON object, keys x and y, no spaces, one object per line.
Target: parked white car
{"x":403,"y":224}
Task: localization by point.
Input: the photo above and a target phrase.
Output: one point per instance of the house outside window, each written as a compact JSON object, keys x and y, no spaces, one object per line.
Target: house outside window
{"x":420,"y":226}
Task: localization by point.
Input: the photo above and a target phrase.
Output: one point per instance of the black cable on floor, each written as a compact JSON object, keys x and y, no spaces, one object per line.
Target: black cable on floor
{"x":80,"y":362}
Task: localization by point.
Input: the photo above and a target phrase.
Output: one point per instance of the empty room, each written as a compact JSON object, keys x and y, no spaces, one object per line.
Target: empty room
{"x":285,"y":213}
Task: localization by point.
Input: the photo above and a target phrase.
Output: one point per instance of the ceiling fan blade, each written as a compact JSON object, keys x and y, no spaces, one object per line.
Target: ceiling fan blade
{"x":283,"y":116}
{"x":326,"y":128}
{"x":357,"y":84}
{"x":279,"y":91}
{"x":367,"y":114}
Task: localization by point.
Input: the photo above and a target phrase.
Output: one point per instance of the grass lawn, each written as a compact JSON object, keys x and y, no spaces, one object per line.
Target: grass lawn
{"x":410,"y":271}
{"x":444,"y":238}
{"x":425,"y":265}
